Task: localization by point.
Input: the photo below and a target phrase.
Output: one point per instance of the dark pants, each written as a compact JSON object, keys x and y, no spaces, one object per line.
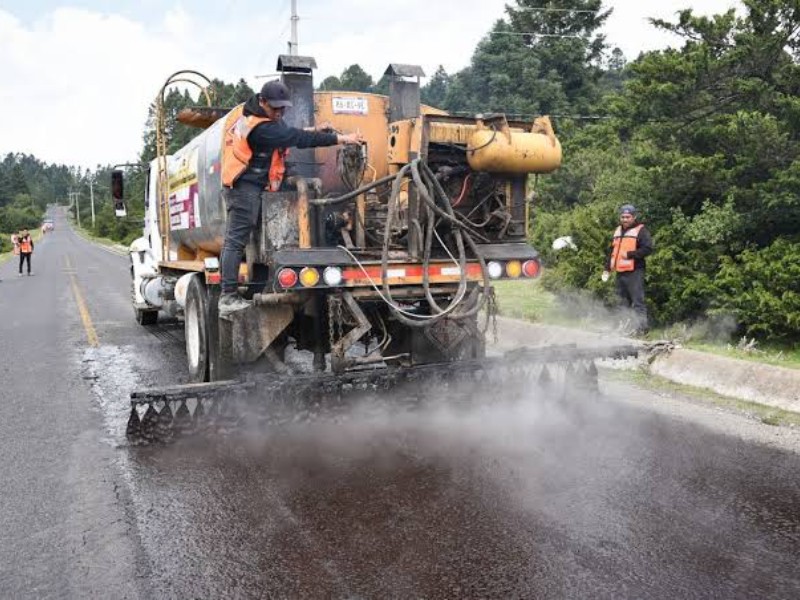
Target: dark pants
{"x":243,"y":205}
{"x":630,"y":289}
{"x":22,"y":258}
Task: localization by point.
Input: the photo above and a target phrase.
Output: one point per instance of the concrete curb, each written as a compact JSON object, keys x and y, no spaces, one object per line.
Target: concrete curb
{"x":778,"y":387}
{"x":752,"y":381}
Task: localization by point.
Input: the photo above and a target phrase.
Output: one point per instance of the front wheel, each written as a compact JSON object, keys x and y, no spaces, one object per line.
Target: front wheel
{"x":196,"y":330}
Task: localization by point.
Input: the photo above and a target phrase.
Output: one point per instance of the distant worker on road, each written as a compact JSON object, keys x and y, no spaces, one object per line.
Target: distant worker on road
{"x":629,"y":247}
{"x":25,"y":242}
{"x":15,"y":243}
{"x":253,"y":160}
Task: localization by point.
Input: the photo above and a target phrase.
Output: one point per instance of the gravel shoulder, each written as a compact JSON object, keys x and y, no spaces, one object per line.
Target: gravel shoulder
{"x":720,"y":414}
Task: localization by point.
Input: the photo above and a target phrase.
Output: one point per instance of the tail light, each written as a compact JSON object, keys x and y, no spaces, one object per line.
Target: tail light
{"x":332,"y":276}
{"x":309,"y":277}
{"x":287,"y":278}
{"x":495,"y":270}
{"x":531,"y":268}
{"x":513,"y":269}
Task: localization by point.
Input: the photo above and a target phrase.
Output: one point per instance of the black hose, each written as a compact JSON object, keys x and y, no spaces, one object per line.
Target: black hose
{"x":462,"y":259}
{"x":353,"y":194}
{"x":426,"y":181}
{"x":470,"y":241}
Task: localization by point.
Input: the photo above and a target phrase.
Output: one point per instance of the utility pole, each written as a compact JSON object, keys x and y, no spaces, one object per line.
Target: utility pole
{"x":91,"y":198}
{"x":295,"y":19}
{"x":78,"y":207}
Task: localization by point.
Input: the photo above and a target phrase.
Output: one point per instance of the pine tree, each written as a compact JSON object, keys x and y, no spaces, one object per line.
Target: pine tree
{"x":355,"y":79}
{"x":435,"y":91}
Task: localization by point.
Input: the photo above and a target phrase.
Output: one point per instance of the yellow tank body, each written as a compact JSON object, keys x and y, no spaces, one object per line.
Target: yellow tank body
{"x":500,"y":149}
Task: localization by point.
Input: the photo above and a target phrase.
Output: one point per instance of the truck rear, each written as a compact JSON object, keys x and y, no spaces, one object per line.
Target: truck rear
{"x":376,"y":260}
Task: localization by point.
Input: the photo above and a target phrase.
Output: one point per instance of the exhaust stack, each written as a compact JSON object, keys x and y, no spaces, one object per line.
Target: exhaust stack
{"x":404,"y":94}
{"x":297,"y":74}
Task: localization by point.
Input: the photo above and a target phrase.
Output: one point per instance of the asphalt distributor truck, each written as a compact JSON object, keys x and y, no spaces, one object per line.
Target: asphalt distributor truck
{"x":377,"y":260}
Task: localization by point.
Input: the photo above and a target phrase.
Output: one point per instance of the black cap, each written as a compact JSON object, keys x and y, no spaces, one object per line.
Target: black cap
{"x":276,"y":94}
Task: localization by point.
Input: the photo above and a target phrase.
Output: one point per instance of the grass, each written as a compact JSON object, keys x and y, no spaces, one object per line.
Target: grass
{"x":766,"y":414}
{"x":86,"y":234}
{"x":779,"y":357}
{"x":525,"y":299}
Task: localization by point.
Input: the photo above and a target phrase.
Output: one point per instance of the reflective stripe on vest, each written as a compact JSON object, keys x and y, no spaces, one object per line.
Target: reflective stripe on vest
{"x":25,"y":245}
{"x":623,"y":243}
{"x":236,"y":152}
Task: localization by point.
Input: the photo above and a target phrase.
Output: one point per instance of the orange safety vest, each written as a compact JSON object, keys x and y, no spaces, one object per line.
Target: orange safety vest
{"x":25,"y":245}
{"x":236,"y":151}
{"x":623,"y":243}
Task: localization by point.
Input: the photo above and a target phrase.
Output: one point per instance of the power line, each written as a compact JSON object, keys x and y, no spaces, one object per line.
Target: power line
{"x":276,"y":37}
{"x":532,"y":34}
{"x":546,"y":9}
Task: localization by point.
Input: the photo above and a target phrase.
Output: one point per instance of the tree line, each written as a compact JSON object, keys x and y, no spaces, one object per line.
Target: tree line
{"x":702,"y":137}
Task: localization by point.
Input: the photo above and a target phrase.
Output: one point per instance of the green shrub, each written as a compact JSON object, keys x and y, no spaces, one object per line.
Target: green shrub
{"x":14,"y":218}
{"x":761,"y":289}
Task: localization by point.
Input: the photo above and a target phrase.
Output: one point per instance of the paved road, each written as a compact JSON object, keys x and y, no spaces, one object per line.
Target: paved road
{"x":621,"y":497}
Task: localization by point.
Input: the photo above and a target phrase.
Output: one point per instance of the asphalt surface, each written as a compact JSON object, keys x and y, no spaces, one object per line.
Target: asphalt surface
{"x":517,"y":497}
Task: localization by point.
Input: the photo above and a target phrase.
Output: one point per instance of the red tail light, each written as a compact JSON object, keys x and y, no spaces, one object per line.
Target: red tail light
{"x":287,"y":278}
{"x":531,"y":268}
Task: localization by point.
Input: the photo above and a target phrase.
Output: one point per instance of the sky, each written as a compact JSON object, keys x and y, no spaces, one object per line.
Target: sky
{"x":76,"y":78}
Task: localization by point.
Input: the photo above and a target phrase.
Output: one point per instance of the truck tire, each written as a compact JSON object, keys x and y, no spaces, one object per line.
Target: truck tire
{"x":196,"y":330}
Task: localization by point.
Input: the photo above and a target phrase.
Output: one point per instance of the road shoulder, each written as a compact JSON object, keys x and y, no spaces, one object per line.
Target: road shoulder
{"x":776,"y":388}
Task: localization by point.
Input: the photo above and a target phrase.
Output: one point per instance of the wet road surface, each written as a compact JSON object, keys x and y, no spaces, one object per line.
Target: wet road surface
{"x":521,"y":498}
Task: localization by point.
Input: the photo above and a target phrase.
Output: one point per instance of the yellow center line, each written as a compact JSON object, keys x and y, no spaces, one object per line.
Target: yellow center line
{"x":91,"y":334}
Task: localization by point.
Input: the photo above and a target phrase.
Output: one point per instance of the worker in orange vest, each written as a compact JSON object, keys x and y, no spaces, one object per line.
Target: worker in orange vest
{"x":253,"y":161}
{"x":25,"y":243}
{"x":630,"y":245}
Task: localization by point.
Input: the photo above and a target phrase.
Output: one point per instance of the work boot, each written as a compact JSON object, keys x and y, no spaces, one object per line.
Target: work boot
{"x":229,"y":303}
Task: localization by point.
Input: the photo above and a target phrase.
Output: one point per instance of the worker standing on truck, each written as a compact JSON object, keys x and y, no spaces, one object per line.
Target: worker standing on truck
{"x":25,"y":242}
{"x":253,"y":160}
{"x":630,"y":245}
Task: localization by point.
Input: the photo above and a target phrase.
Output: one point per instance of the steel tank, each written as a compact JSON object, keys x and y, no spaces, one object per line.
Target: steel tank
{"x":197,"y":212}
{"x":194,"y":191}
{"x":505,"y":150}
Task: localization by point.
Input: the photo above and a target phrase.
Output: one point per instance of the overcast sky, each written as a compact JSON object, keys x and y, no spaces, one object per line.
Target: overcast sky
{"x":77,"y":77}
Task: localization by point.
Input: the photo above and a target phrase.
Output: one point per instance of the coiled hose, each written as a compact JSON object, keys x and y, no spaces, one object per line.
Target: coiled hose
{"x":430,"y":190}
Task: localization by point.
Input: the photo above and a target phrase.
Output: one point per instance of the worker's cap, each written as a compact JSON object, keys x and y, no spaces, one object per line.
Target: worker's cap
{"x":627,"y":209}
{"x":276,"y":94}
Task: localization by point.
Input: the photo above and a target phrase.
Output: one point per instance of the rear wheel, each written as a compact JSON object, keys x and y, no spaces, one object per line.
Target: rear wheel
{"x":196,"y":330}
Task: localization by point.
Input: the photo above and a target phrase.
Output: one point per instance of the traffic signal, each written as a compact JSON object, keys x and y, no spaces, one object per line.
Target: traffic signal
{"x":117,"y":192}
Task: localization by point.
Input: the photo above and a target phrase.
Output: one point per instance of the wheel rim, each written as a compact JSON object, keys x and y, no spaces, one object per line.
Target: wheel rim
{"x":192,"y":336}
